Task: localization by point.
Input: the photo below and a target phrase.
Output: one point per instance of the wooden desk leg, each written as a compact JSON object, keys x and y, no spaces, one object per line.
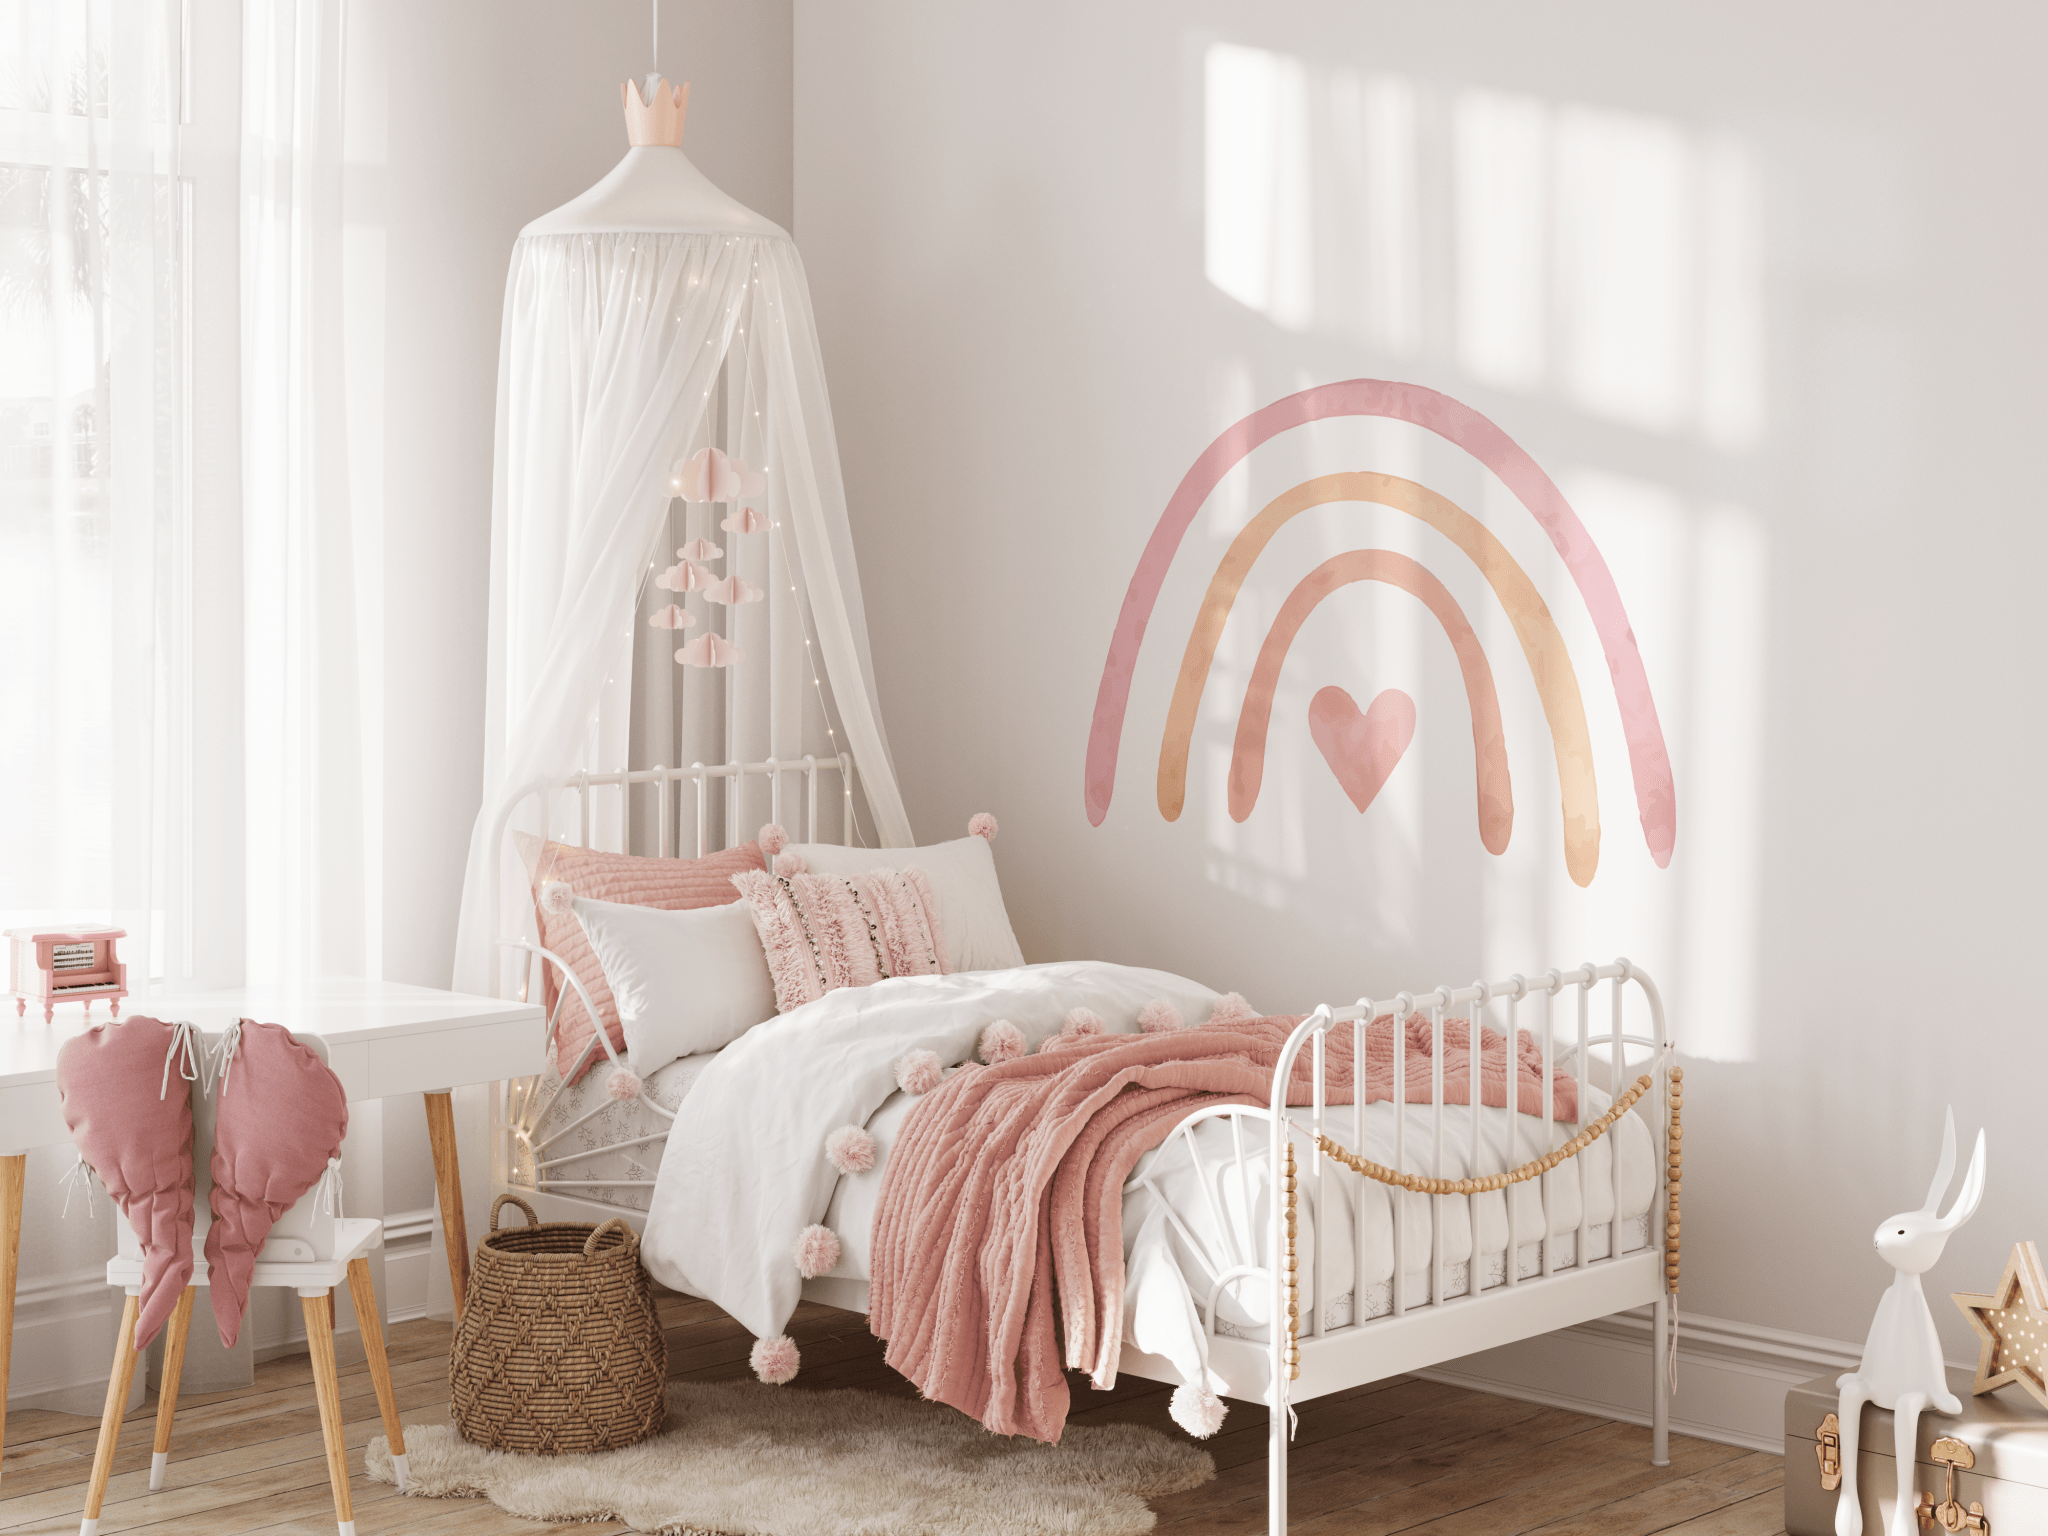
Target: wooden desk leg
{"x":365,"y":1295}
{"x":13,"y":1172}
{"x":448,"y":1183}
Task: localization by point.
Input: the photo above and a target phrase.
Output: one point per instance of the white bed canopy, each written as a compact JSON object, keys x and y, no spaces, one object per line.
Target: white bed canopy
{"x":646,"y":322}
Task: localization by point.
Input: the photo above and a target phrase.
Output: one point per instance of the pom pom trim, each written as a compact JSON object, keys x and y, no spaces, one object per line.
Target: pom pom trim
{"x":1158,"y":1017}
{"x":622,"y":1085}
{"x":918,"y":1072}
{"x":816,"y":1252}
{"x":982,"y":825}
{"x":850,"y":1149}
{"x":772,"y":839}
{"x":775,"y":1360}
{"x":1002,"y":1041}
{"x":1197,"y":1410}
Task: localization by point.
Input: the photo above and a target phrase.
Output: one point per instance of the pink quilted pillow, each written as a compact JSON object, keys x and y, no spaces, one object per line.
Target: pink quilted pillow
{"x":280,"y":1116}
{"x":130,"y":1113}
{"x":824,"y":932}
{"x":673,"y":885}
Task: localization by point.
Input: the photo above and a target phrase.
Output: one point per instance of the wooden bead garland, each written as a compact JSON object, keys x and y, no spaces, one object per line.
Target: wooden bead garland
{"x":1535,"y":1168}
{"x":1673,"y":1164}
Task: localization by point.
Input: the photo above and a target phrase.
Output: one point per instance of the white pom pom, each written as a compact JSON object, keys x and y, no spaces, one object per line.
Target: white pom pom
{"x":918,"y":1072}
{"x":1002,"y":1041}
{"x":1196,"y":1410}
{"x":1231,"y":1008}
{"x":775,"y":1360}
{"x":1158,"y":1016}
{"x":555,"y":896}
{"x":850,"y":1149}
{"x":817,"y":1251}
{"x":622,"y":1085}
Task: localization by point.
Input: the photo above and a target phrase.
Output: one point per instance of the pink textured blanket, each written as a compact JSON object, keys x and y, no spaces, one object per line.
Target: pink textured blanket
{"x":1004,"y":1190}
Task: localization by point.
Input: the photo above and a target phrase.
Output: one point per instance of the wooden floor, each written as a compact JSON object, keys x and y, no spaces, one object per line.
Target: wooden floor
{"x":1402,"y":1455}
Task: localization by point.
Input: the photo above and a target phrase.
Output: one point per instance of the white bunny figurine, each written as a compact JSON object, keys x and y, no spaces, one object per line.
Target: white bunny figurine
{"x":1902,"y":1367}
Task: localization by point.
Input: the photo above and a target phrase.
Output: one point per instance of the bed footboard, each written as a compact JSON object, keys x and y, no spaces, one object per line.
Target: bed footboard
{"x":1307,"y":1356}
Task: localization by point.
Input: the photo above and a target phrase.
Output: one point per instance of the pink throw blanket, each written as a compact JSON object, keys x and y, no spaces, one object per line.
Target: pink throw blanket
{"x":1005,"y":1185}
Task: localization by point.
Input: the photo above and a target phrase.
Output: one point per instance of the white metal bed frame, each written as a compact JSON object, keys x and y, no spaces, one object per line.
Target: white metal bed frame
{"x":1409,"y":1336}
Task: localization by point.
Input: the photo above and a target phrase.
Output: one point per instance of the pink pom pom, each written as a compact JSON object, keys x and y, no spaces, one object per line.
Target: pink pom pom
{"x":982,"y":825}
{"x":622,"y":1085}
{"x":918,"y":1072}
{"x":790,"y":863}
{"x":1158,"y":1016}
{"x":1083,"y":1021}
{"x":1231,"y":1008}
{"x":850,"y":1149}
{"x":817,"y":1250}
{"x":555,"y":897}
{"x":772,"y":840}
{"x":1196,"y":1410}
{"x":775,"y":1360}
{"x":1002,"y":1041}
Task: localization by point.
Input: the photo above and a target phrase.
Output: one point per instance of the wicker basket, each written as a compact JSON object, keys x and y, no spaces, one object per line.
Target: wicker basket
{"x":559,"y":1350}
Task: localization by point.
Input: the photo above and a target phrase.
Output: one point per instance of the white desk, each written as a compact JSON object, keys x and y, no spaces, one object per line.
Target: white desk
{"x":383,"y":1040}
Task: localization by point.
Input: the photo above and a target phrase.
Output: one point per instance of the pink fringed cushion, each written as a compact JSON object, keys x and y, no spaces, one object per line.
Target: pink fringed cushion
{"x":132,"y":1123}
{"x":280,"y":1116}
{"x":673,"y":885}
{"x":824,"y":932}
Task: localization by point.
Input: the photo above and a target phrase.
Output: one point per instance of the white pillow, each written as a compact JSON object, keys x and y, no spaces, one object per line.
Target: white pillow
{"x":685,"y":982}
{"x":963,"y":877}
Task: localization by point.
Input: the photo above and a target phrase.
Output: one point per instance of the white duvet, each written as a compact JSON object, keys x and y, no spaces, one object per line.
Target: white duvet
{"x":744,"y":1171}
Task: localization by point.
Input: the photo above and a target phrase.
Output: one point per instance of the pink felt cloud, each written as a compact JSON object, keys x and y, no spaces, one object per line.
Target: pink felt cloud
{"x":745,"y":520}
{"x":280,"y":1116}
{"x":683,"y":577}
{"x":710,"y":475}
{"x":710,"y":651}
{"x":130,"y":1115}
{"x":700,"y":549}
{"x":733,"y":590}
{"x":671,"y":617}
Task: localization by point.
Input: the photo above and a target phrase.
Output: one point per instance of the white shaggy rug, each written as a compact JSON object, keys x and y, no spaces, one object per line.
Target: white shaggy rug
{"x":743,"y":1459}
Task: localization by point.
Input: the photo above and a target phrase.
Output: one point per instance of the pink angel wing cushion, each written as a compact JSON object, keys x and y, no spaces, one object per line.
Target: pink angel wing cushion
{"x":280,"y":1115}
{"x":130,"y":1113}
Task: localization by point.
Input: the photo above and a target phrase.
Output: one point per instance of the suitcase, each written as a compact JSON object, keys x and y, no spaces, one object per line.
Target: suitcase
{"x":1996,"y":1452}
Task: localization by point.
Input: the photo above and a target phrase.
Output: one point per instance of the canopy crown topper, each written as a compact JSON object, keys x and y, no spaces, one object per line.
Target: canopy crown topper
{"x":655,"y":112}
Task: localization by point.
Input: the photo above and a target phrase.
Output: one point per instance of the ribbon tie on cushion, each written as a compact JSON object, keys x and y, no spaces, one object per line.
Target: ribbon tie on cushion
{"x":78,"y":1176}
{"x":330,"y":1188}
{"x":189,"y":1052}
{"x":224,"y":1054}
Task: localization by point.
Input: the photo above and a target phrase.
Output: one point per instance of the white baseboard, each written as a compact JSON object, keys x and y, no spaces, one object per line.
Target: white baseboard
{"x":1732,"y":1376}
{"x":64,"y":1324}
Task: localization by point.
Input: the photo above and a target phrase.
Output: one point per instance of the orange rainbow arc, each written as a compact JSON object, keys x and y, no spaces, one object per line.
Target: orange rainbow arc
{"x":1489,"y":739}
{"x":1557,"y":685}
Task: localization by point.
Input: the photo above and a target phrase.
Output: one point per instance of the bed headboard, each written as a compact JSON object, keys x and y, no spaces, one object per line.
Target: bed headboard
{"x":683,"y":824}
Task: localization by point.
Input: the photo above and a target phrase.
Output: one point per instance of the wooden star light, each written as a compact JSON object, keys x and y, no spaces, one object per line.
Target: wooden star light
{"x":2012,"y":1322}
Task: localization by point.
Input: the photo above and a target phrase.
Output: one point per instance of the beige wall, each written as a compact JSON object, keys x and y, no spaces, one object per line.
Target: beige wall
{"x":1756,"y":288}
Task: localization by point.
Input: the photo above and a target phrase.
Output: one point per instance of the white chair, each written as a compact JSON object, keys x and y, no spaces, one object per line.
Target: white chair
{"x":312,"y":1249}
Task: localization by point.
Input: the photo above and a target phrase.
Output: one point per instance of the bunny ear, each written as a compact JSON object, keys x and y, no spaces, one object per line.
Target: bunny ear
{"x":1947,"y":1169}
{"x":1973,"y":1191}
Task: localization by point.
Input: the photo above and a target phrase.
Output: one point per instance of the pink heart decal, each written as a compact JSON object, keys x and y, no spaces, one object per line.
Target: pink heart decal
{"x":1361,"y":749}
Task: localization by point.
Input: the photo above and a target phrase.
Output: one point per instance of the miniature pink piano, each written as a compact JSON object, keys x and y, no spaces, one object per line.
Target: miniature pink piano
{"x":73,"y":965}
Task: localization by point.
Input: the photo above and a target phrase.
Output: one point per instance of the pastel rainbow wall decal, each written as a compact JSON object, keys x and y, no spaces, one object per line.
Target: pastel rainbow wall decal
{"x":1362,"y":748}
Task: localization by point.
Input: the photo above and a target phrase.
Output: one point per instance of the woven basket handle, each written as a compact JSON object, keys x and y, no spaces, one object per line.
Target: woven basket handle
{"x":532,"y":1219}
{"x":590,"y":1243}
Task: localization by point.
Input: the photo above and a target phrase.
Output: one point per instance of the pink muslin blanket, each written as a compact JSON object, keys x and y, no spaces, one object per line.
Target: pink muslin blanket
{"x":1004,"y":1190}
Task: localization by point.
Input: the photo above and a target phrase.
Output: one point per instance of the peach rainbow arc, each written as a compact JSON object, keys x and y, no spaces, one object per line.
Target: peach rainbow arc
{"x":1489,"y":740}
{"x":1457,"y":423}
{"x":1557,"y":685}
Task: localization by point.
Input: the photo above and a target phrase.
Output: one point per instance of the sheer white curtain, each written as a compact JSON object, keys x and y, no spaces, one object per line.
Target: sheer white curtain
{"x":614,"y":349}
{"x":93,"y":511}
{"x":309,"y":903}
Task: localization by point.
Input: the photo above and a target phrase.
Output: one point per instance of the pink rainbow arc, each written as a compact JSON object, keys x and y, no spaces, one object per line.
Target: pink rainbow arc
{"x":1456,"y":423}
